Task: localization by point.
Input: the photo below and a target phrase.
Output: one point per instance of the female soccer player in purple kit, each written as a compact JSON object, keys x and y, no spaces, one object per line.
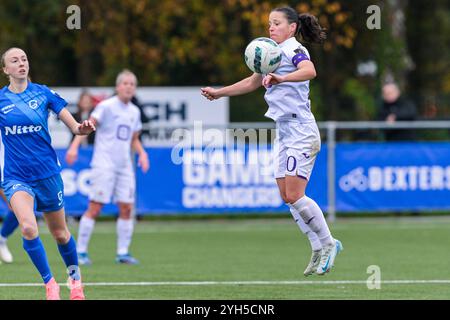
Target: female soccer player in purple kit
{"x":31,"y":169}
{"x":298,"y":139}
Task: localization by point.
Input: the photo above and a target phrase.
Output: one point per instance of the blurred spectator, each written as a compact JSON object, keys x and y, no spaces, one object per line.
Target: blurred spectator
{"x":395,"y":107}
{"x":85,"y":106}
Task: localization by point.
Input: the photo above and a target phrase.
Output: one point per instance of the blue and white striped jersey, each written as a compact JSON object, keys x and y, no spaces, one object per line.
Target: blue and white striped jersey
{"x":26,"y":150}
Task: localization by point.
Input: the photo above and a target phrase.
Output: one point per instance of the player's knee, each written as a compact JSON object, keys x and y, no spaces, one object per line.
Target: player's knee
{"x":292,"y":196}
{"x":93,"y":211}
{"x":91,"y":214}
{"x":284,"y":197}
{"x":125,"y":215}
{"x":125,"y":212}
{"x":61,"y":236}
{"x":29,"y":230}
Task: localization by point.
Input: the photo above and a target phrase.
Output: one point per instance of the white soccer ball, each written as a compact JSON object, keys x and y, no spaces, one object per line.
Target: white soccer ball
{"x":263,"y":55}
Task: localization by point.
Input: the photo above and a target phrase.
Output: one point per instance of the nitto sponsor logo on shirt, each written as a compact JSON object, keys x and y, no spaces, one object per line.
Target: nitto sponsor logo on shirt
{"x":22,"y":129}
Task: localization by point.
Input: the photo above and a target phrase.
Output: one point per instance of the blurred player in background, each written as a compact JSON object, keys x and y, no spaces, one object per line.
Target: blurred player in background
{"x":298,"y":139}
{"x":112,"y":175}
{"x":10,"y":224}
{"x":85,"y":106}
{"x":31,"y":169}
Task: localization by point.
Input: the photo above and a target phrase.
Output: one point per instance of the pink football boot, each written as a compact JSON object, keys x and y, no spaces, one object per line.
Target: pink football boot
{"x":76,"y":290}
{"x":52,"y":290}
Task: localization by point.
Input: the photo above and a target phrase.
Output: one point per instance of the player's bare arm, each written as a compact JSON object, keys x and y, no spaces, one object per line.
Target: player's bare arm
{"x":136,"y":145}
{"x":244,"y":86}
{"x":305,"y":71}
{"x":72,"y":151}
{"x":84,"y":128}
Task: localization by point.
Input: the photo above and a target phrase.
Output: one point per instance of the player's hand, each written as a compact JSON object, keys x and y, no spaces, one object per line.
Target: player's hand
{"x":272,"y":79}
{"x":71,"y":156}
{"x":391,"y":118}
{"x":143,"y":162}
{"x":210,"y":93}
{"x":86,"y":127}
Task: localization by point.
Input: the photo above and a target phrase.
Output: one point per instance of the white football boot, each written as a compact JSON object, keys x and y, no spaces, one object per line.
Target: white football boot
{"x":329,"y":254}
{"x":313,"y":263}
{"x":5,"y":254}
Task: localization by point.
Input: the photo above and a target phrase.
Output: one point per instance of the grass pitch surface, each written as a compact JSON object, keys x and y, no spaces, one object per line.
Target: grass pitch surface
{"x":249,"y":259}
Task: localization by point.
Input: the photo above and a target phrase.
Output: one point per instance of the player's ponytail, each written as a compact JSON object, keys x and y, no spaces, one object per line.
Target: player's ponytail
{"x":310,"y":28}
{"x":307,"y":25}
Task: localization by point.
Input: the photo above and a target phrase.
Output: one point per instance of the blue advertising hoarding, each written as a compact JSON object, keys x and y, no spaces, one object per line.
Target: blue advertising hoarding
{"x":207,"y":181}
{"x":379,"y":177}
{"x":370,"y":177}
{"x":224,"y":183}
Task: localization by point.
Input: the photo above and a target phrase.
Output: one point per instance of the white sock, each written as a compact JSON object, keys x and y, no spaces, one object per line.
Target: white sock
{"x":313,"y":217}
{"x":3,"y":240}
{"x":124,"y":233}
{"x":312,"y":236}
{"x":84,"y":233}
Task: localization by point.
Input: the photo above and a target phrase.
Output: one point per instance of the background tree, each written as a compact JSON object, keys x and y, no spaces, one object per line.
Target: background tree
{"x":195,"y":43}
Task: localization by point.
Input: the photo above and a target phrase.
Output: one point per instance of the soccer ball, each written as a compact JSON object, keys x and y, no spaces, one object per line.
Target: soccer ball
{"x":263,"y":55}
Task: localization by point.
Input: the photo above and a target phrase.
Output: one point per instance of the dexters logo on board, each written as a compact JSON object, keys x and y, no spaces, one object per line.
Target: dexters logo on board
{"x":396,"y":178}
{"x":22,"y":129}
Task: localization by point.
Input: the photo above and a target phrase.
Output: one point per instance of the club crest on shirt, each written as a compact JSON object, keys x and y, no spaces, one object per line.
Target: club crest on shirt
{"x":33,"y":104}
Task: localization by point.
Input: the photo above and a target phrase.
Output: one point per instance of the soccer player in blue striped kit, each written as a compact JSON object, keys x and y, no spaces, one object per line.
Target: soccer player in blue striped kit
{"x":31,"y":169}
{"x":298,"y":140}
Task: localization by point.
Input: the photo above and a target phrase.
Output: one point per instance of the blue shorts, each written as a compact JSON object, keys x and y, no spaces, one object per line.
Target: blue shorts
{"x":48,"y":193}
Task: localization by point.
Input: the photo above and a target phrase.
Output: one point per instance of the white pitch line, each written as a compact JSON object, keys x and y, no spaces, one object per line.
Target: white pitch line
{"x":232,"y":283}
